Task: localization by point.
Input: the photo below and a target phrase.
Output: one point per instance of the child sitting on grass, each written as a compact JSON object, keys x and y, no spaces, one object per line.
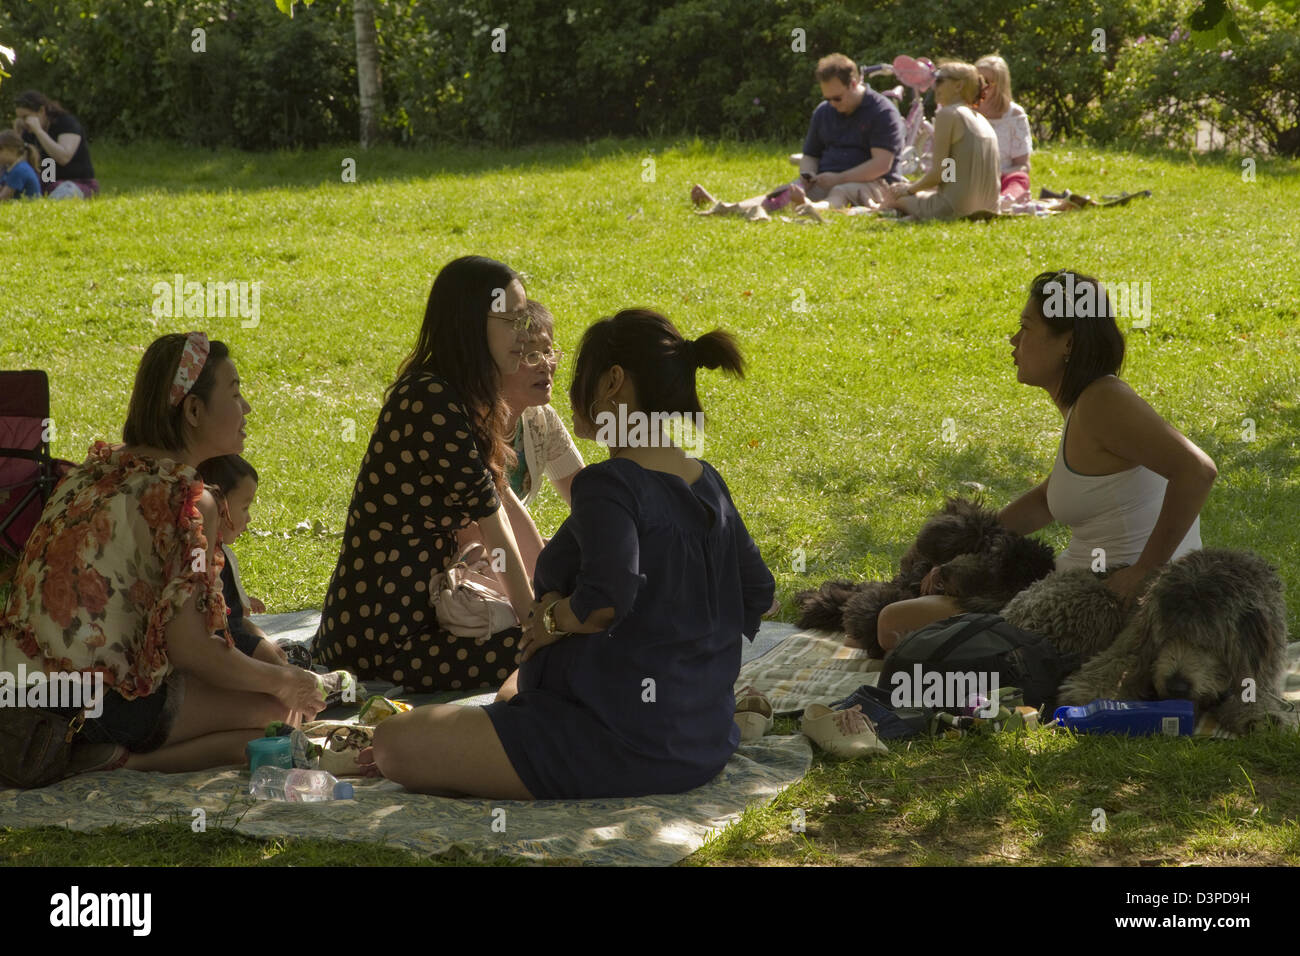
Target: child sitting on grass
{"x":233,"y":481}
{"x":18,"y":162}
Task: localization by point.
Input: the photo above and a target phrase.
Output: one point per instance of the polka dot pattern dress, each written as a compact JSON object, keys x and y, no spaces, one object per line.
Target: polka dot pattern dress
{"x":422,"y":479}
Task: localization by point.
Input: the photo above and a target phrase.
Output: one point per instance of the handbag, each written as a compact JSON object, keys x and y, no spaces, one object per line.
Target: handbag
{"x":468,"y":604}
{"x":35,"y":744}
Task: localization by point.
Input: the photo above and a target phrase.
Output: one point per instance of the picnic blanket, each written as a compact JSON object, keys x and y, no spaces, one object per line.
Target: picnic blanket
{"x":1048,"y":204}
{"x":815,"y":667}
{"x":655,"y":830}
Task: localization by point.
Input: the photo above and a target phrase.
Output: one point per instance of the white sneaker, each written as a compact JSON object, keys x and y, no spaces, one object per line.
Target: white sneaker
{"x":844,"y":733}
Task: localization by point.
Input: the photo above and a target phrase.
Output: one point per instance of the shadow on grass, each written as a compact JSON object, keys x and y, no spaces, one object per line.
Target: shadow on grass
{"x":848,"y":489}
{"x":1074,"y":801}
{"x":1265,"y":467}
{"x":1267,"y":167}
{"x":177,"y":170}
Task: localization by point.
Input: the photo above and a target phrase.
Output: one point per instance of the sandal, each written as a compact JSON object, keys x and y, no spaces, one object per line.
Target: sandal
{"x":349,"y":737}
{"x":343,"y":745}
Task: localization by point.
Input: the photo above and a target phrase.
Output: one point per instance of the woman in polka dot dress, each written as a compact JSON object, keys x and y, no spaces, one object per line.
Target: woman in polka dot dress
{"x":629,"y":665}
{"x":435,"y":463}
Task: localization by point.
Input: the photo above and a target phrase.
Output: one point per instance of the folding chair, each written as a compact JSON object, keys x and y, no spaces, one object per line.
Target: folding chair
{"x":27,"y":472}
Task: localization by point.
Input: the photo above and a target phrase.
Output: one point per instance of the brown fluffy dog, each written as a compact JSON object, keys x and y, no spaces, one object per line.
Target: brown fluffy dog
{"x":979,"y":563}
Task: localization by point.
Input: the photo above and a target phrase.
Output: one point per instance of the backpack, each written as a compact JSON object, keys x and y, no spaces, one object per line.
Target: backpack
{"x":973,"y":653}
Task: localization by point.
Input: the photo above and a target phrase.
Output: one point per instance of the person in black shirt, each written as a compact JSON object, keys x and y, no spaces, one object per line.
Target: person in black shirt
{"x":57,"y":135}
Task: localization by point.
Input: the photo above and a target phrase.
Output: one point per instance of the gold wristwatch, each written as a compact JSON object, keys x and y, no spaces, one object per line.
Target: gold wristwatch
{"x":548,"y":620}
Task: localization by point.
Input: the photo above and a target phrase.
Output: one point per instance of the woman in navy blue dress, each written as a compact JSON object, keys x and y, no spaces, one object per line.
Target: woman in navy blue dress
{"x":633,"y":647}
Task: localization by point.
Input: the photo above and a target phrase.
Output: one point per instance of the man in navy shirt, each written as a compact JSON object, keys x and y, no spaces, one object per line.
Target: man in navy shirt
{"x":849,"y":155}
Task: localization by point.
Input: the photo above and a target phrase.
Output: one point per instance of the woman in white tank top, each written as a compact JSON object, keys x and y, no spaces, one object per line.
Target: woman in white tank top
{"x":1129,"y":485}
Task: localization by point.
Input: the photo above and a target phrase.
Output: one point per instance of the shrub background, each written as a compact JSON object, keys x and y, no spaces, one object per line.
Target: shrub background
{"x":635,"y":67}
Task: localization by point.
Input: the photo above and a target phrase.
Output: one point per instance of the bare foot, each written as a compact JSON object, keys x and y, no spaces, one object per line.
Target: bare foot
{"x":700,"y":196}
{"x":808,"y":209}
{"x":366,"y":763}
{"x":797,"y":195}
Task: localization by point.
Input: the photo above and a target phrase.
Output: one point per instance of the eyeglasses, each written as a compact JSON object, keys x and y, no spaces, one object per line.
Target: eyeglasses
{"x":551,"y":357}
{"x":519,"y":321}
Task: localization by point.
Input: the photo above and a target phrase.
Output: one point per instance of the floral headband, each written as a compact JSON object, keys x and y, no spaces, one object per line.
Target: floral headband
{"x":193,"y":358}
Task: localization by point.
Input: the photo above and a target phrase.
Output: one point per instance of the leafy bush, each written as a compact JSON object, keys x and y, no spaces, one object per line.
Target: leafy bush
{"x":562,"y":70}
{"x":128,"y":70}
{"x":720,"y":66}
{"x":1163,"y":88}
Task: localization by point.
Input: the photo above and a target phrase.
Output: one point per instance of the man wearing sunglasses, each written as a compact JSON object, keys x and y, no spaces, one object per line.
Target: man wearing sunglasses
{"x":850,"y":154}
{"x":854,"y":139}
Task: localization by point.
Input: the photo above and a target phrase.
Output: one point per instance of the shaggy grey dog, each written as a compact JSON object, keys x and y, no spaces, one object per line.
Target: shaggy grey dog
{"x":1073,"y":609}
{"x":1205,"y":624}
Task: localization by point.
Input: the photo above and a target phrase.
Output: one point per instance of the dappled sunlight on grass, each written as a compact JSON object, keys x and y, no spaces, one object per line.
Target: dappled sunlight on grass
{"x":835,"y":442}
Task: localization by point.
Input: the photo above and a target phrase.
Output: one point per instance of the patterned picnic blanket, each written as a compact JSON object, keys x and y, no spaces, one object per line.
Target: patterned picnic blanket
{"x":648,"y":831}
{"x":815,"y":667}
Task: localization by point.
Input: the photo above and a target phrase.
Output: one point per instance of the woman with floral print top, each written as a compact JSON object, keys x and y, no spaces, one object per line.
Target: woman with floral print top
{"x":119,"y":579}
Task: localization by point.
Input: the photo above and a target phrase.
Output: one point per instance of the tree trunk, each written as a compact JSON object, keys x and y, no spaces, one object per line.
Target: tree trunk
{"x":368,"y":82}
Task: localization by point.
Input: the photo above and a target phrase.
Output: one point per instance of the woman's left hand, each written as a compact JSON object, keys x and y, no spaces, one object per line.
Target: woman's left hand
{"x":534,"y":630}
{"x":33,"y":122}
{"x":1125,"y":582}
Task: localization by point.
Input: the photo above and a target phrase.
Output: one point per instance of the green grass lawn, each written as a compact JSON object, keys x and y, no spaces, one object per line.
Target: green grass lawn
{"x":880,"y":380}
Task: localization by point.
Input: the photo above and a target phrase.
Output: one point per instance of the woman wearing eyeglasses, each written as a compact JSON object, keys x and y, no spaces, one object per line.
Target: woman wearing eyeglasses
{"x":964,"y":175}
{"x":541,"y":442}
{"x":436,"y":463}
{"x":542,"y":445}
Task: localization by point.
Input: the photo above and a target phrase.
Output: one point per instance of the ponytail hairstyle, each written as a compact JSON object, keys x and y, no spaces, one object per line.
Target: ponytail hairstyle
{"x":969,"y":82}
{"x":36,"y":101}
{"x":655,"y":356}
{"x":151,"y":419}
{"x":999,"y":91}
{"x":11,"y":140}
{"x":453,"y":345}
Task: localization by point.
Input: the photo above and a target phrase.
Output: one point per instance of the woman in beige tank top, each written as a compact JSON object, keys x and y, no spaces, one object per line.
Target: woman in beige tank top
{"x":964,"y":174}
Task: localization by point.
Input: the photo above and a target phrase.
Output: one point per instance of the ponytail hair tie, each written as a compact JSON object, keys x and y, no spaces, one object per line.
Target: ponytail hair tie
{"x":690,"y":353}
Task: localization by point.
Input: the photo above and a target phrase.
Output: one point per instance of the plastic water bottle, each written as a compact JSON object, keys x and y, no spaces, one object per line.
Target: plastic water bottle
{"x":297,"y":786}
{"x":1136,"y":718}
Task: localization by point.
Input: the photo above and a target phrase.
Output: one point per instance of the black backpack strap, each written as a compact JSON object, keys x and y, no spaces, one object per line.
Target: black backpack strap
{"x":978,"y":622}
